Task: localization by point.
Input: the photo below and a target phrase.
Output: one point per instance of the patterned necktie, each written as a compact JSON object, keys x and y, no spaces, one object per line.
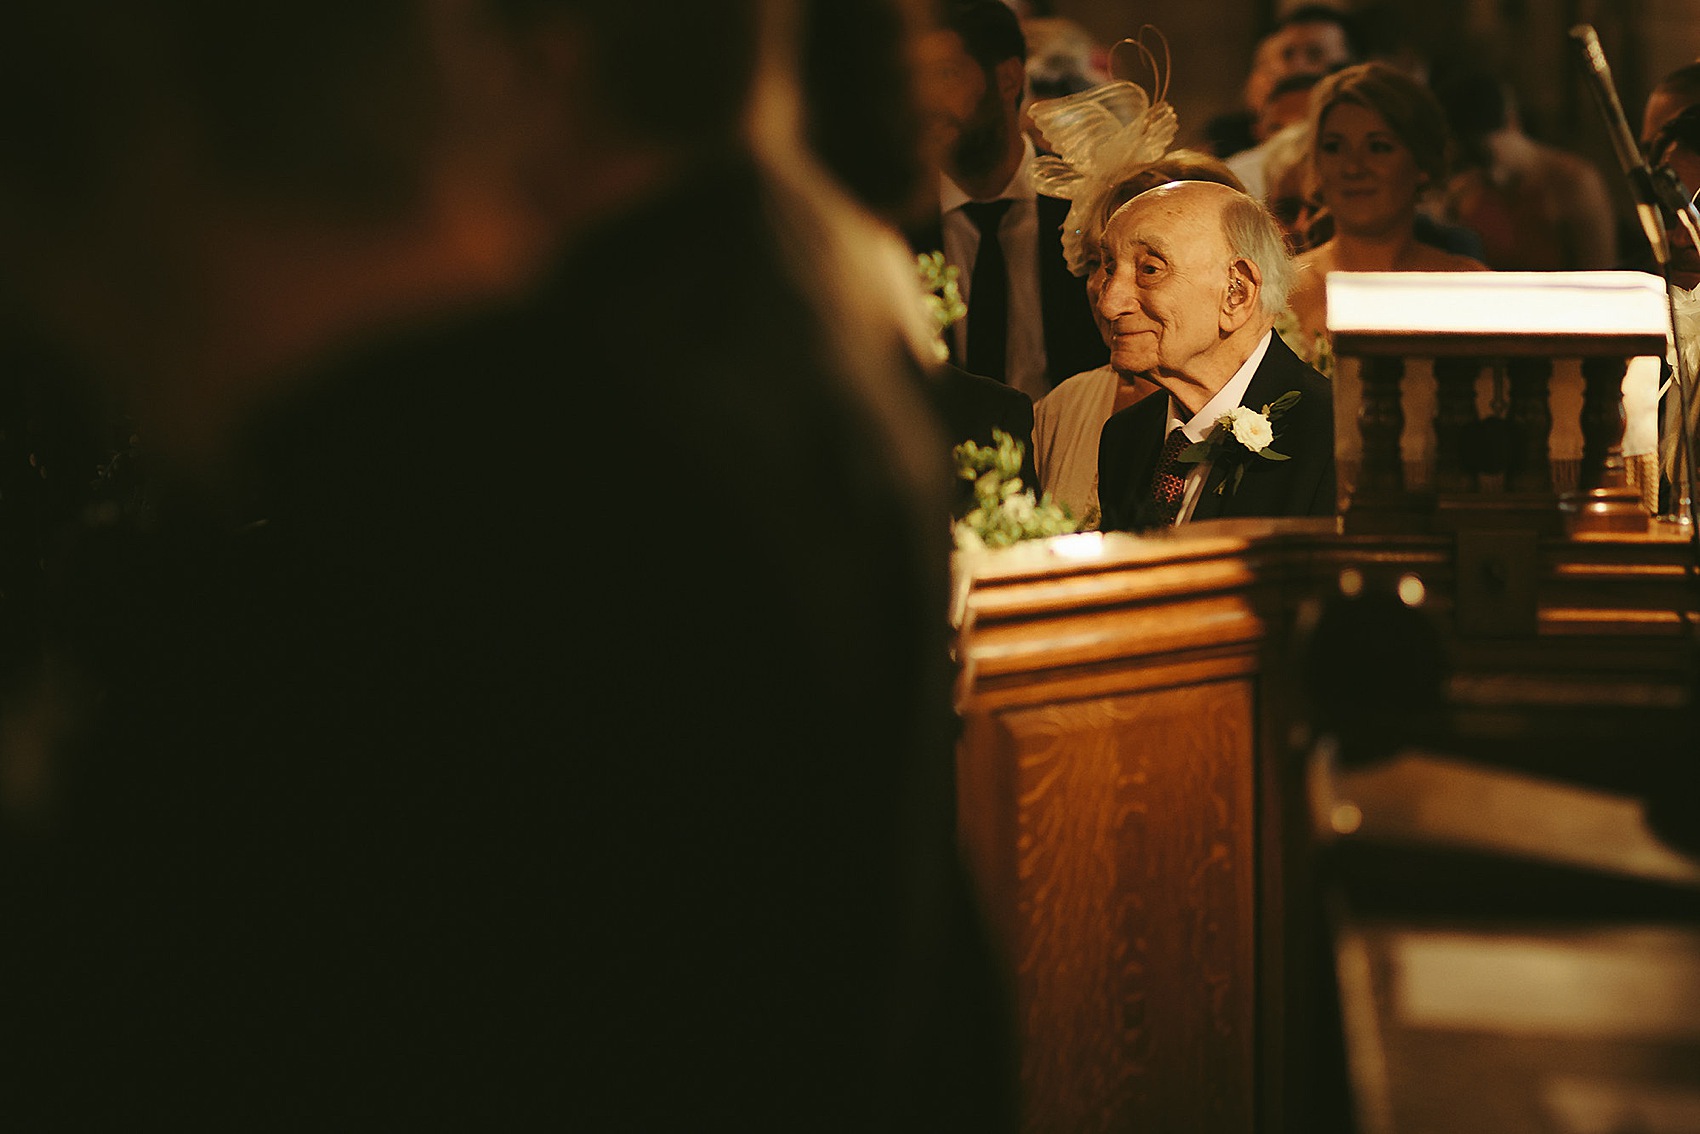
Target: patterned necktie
{"x":988,"y":293}
{"x":1169,"y":485}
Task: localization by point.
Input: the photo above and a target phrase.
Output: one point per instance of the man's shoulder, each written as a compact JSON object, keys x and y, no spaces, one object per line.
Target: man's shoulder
{"x":1280,"y":359}
{"x":1282,"y":372}
{"x":1144,"y":417}
{"x":963,"y":396}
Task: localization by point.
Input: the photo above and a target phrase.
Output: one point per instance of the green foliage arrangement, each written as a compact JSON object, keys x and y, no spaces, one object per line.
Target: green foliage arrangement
{"x":1005,"y":512}
{"x":943,"y":297}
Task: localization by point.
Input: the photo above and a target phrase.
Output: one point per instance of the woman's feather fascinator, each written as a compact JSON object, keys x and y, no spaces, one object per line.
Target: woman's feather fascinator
{"x":1100,"y":137}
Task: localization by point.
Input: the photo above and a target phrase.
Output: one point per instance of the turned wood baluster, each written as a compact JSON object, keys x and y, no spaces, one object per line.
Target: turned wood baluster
{"x":1455,"y":413}
{"x":1602,"y":424}
{"x":1604,"y":503}
{"x":1531,"y":418}
{"x":1380,"y":422}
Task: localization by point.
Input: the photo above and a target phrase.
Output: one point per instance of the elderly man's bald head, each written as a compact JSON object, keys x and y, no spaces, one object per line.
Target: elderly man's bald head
{"x":1194,"y":274}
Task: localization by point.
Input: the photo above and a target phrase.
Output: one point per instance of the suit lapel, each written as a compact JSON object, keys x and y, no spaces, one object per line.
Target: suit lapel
{"x":1272,"y":379}
{"x":1127,"y":459}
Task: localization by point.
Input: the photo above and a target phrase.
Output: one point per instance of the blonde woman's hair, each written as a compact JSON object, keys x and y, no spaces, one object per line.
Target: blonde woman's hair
{"x":1406,"y":105}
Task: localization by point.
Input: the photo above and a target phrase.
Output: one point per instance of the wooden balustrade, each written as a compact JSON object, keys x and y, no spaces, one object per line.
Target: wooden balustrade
{"x":1604,"y":500}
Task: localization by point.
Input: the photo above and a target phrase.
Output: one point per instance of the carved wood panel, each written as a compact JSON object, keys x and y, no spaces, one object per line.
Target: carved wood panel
{"x":1134,"y":934}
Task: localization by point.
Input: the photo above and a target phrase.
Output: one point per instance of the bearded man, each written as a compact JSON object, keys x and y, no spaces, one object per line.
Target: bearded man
{"x":1194,"y":274}
{"x":1029,"y":324}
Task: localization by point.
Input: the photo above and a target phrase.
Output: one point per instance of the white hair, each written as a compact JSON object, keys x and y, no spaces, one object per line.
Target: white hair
{"x":1252,"y":233}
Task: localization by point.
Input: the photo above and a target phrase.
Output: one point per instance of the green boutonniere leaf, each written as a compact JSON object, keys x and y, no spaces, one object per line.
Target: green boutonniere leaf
{"x":1199,"y":450}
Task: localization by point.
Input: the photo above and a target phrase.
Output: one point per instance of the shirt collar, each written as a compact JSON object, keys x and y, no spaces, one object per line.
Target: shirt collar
{"x":1020,"y":187}
{"x":1229,"y":396}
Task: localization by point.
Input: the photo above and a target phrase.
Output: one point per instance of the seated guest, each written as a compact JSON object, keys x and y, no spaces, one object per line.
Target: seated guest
{"x":1194,"y":277}
{"x":1027,"y":323}
{"x":1311,"y":39}
{"x":1674,"y":93}
{"x":1676,"y":145}
{"x":1288,"y":104}
{"x":1068,"y":420}
{"x":1536,"y":207}
{"x":863,"y":123}
{"x":1379,"y":142}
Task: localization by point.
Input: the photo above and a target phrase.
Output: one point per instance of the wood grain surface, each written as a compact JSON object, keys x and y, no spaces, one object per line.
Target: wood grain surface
{"x":1135,"y":882}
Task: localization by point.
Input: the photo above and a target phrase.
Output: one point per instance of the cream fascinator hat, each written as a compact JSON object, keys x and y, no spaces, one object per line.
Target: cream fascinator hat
{"x":1100,"y":137}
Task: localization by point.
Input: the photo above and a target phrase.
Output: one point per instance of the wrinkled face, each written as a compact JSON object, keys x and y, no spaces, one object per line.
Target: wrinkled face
{"x":1163,"y":281}
{"x":1368,"y":177}
{"x":965,"y":124}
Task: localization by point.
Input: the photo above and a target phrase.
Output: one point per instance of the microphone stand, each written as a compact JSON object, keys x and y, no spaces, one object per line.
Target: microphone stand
{"x":1673,"y":197}
{"x":1650,"y":191}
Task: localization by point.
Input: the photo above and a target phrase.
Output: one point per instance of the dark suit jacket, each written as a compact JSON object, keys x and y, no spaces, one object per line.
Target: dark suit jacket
{"x":1072,"y":341}
{"x":969,"y":407}
{"x":1301,"y":486}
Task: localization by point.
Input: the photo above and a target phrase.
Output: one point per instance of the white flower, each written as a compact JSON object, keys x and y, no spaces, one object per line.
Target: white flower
{"x":1021,"y":507}
{"x":966,"y":538}
{"x":1687,"y":304}
{"x":1249,"y":427}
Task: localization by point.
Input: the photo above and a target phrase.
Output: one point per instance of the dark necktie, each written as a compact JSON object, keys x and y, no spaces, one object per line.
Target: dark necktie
{"x":1169,"y":485}
{"x":988,"y":293}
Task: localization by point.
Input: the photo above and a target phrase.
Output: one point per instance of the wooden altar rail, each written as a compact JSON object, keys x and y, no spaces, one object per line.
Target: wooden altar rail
{"x":1604,"y":500}
{"x":1130,"y":785}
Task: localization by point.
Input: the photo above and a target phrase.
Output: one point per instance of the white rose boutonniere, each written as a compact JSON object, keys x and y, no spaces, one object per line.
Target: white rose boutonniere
{"x":1253,"y":430}
{"x":1239,"y":435}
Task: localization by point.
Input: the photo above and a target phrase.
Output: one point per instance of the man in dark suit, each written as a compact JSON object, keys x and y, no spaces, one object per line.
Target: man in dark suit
{"x":1029,"y":324}
{"x":1195,"y":274}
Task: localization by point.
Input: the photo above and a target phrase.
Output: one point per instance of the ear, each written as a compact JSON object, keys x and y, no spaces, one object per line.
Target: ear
{"x":1240,"y":299}
{"x":1011,"y":77}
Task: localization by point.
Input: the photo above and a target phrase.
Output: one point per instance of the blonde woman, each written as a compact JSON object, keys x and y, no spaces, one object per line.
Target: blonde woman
{"x":1379,"y":143}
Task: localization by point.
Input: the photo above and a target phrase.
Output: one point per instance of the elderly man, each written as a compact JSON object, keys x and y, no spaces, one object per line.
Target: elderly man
{"x":1194,"y":275}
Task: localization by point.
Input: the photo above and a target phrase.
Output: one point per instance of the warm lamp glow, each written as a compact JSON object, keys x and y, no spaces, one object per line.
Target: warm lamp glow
{"x":1079,"y":545}
{"x":1515,"y":303}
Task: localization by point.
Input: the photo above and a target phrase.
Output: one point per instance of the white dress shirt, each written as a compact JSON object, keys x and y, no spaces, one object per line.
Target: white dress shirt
{"x":1198,"y":427}
{"x":1019,"y":232}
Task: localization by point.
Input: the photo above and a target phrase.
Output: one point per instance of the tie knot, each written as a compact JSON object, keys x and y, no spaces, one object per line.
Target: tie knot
{"x":1173,"y":444}
{"x":987,"y":215}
